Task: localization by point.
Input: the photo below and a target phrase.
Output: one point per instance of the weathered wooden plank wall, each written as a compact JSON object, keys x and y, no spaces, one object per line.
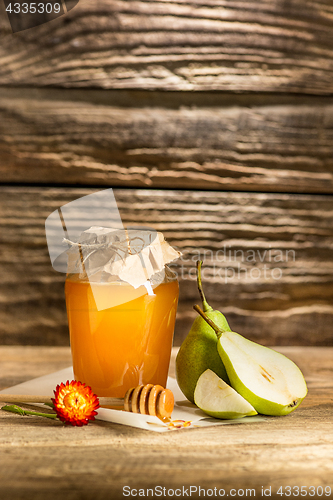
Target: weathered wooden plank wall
{"x":213,"y":121}
{"x":179,"y":45}
{"x":267,"y":144}
{"x":283,"y":294}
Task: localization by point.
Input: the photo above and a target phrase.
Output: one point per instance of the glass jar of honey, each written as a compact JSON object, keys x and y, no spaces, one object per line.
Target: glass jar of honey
{"x":121,"y":336}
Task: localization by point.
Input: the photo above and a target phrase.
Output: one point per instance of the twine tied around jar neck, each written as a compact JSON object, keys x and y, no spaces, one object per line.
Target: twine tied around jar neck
{"x":132,"y":255}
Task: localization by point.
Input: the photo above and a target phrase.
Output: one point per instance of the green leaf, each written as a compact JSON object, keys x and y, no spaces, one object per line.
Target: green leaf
{"x":51,"y":405}
{"x":14,"y":409}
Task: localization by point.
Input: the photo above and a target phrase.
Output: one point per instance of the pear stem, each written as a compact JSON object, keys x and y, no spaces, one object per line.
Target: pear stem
{"x":211,"y":323}
{"x":205,"y":305}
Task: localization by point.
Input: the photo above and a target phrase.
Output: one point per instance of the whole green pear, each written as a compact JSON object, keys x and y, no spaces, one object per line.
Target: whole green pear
{"x":199,"y":352}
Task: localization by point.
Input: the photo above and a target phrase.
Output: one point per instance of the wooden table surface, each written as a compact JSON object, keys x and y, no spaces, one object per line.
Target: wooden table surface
{"x":42,"y":458}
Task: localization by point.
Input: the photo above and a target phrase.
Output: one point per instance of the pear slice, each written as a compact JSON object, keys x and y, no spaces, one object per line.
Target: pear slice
{"x":216,"y":398}
{"x":272,"y":383}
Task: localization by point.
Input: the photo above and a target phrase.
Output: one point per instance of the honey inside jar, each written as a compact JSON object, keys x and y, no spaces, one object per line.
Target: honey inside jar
{"x":127,"y":344}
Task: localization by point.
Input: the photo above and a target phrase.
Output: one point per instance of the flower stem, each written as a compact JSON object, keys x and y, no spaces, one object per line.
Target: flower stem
{"x":20,"y":411}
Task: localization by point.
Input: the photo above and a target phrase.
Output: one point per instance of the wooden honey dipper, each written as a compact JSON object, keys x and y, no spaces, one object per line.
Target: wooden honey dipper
{"x":146,"y":399}
{"x":150,"y":399}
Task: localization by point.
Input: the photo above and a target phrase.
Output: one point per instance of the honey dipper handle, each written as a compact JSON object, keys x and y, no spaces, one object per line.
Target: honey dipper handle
{"x":159,"y":401}
{"x":24,"y":398}
{"x":31,"y":398}
{"x":105,"y":401}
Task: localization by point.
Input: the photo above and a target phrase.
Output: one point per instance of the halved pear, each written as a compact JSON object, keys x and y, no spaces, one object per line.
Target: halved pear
{"x":216,"y":398}
{"x":271,"y":382}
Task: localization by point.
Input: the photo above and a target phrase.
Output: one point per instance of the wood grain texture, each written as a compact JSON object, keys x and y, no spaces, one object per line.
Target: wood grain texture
{"x":268,"y":261}
{"x":131,"y":139}
{"x":182,"y":45}
{"x":40,"y":458}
